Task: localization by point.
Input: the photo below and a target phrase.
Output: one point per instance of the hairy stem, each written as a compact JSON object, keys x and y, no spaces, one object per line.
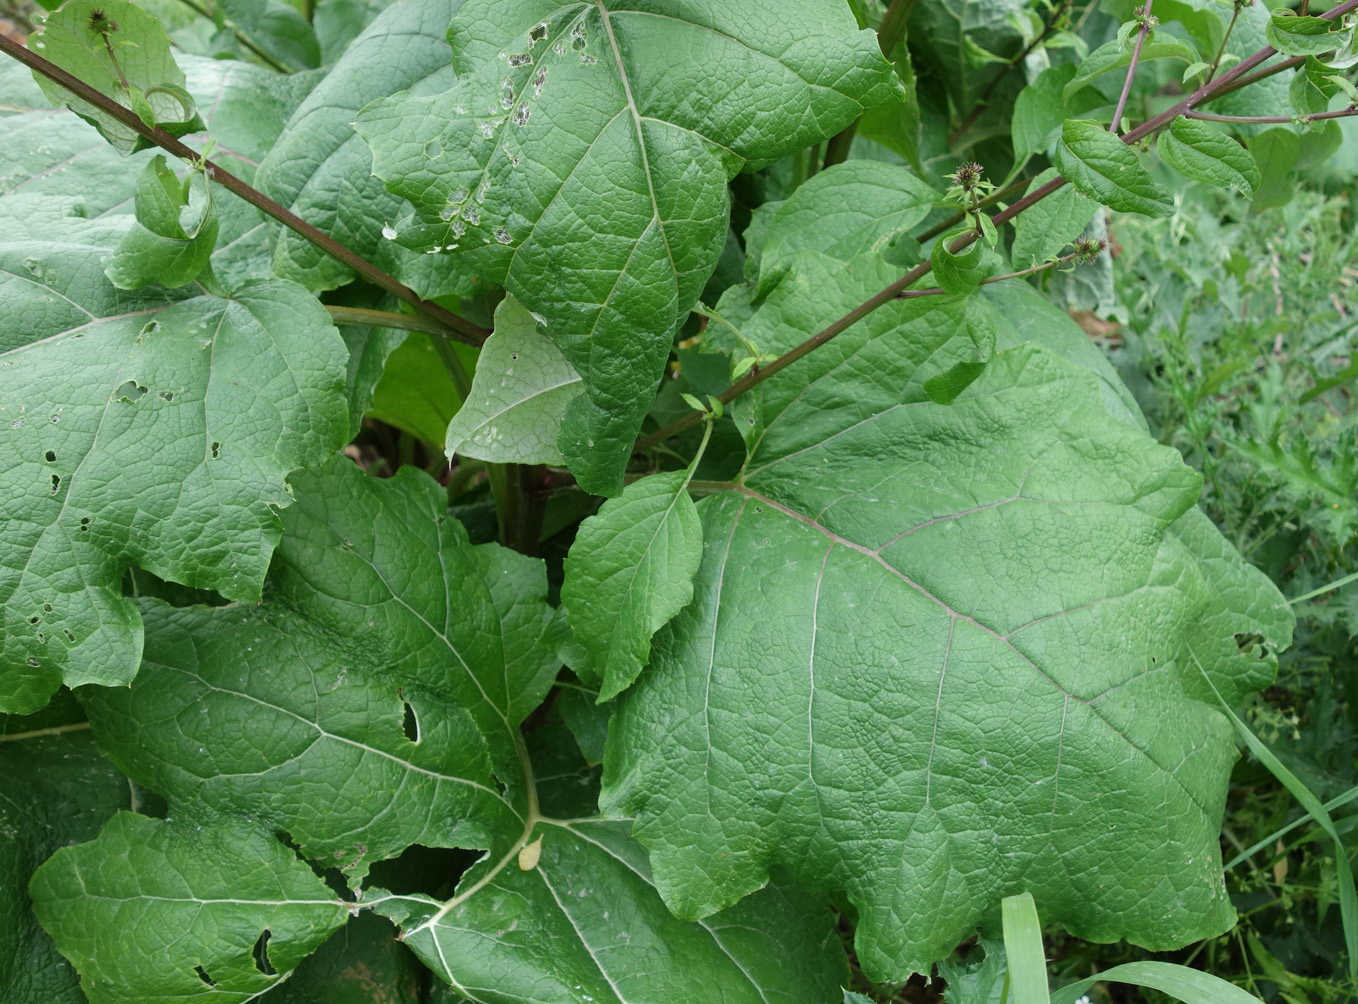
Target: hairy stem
{"x":986,"y":203}
{"x":385,"y":319}
{"x":458,"y":328}
{"x":1131,"y":68}
{"x":1147,"y":128}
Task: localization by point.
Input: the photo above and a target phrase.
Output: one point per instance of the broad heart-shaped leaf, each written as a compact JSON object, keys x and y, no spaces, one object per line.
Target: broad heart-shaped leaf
{"x":151,"y":912}
{"x":378,"y":563}
{"x":143,"y":61}
{"x":520,"y":392}
{"x":629,"y":571}
{"x":324,"y":758}
{"x":322,"y":170}
{"x":142,"y":430}
{"x":1198,"y":151}
{"x":1107,"y":170}
{"x":939,"y":655}
{"x":857,"y":204}
{"x":288,"y":718}
{"x":585,"y":924}
{"x":58,"y":790}
{"x":582,"y":160}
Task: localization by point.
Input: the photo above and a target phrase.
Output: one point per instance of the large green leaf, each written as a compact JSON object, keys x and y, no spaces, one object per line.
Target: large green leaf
{"x":142,"y":429}
{"x":328,"y":762}
{"x":1114,"y":55}
{"x":58,"y":790}
{"x":152,"y":912}
{"x":321,"y":170}
{"x":582,"y":159}
{"x":585,"y":923}
{"x":358,"y":711}
{"x":940,"y":655}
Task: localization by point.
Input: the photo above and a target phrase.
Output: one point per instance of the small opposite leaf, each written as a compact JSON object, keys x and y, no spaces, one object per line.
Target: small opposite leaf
{"x":1111,"y":55}
{"x":174,"y":236}
{"x":1198,"y":151}
{"x":1107,"y":170}
{"x":961,"y":272}
{"x":150,"y":911}
{"x":142,"y":52}
{"x":978,"y":316}
{"x":1312,"y":87}
{"x":629,"y":571}
{"x":519,"y":395}
{"x":1299,"y":35}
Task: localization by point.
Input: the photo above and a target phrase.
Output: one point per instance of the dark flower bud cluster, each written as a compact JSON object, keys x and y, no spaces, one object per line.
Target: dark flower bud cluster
{"x":100,"y":23}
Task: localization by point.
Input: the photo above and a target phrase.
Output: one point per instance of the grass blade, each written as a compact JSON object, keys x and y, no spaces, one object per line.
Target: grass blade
{"x":1348,"y":896}
{"x":1192,"y":986}
{"x":1023,"y":948}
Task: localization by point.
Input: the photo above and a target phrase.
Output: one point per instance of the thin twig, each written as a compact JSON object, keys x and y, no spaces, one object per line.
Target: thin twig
{"x":1272,"y":119}
{"x":911,"y":294}
{"x":1145,"y":14}
{"x":1221,"y":49}
{"x":240,"y":36}
{"x":458,"y":328}
{"x":384,"y":319}
{"x":1149,"y":127}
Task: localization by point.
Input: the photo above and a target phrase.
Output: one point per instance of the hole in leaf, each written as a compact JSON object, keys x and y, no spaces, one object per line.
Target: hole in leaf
{"x":433,"y":871}
{"x":47,"y":608}
{"x":84,"y":524}
{"x":261,"y":954}
{"x":129,"y":391}
{"x":56,"y":483}
{"x":34,"y":619}
{"x":216,"y":450}
{"x":33,"y":662}
{"x":538,"y":33}
{"x":1247,"y":642}
{"x":69,"y":637}
{"x":42,"y":638}
{"x":167,"y":395}
{"x":202,"y":975}
{"x":51,"y":457}
{"x":411,"y":725}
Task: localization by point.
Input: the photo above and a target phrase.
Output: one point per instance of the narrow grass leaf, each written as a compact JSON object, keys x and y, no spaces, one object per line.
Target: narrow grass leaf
{"x":1023,"y":947}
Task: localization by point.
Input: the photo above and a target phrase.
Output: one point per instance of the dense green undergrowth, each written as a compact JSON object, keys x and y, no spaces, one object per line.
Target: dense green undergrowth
{"x":610,"y":501}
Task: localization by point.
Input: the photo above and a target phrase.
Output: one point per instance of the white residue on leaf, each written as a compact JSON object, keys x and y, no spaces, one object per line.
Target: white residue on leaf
{"x":388,"y":231}
{"x":502,"y":235}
